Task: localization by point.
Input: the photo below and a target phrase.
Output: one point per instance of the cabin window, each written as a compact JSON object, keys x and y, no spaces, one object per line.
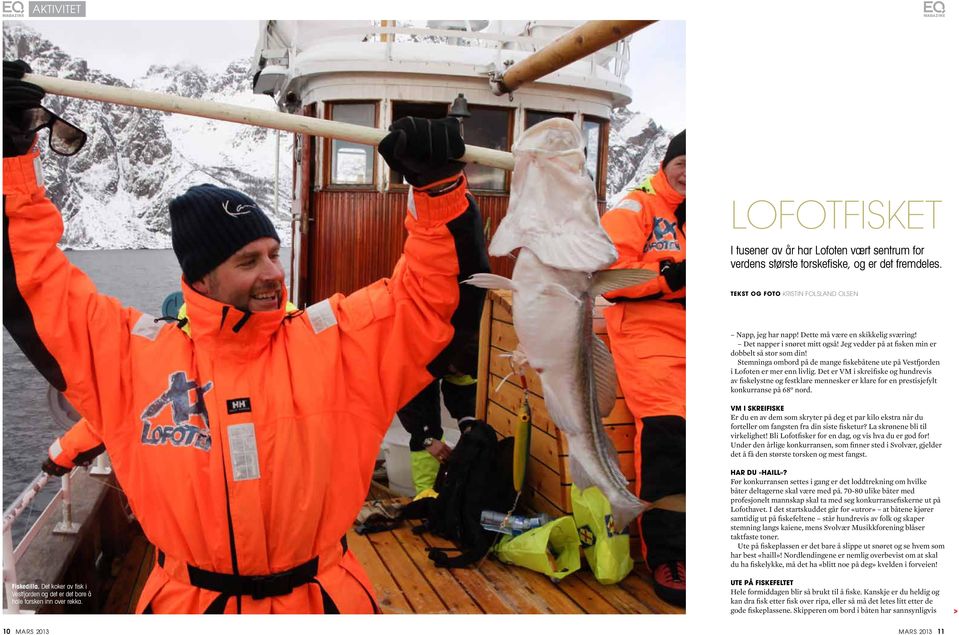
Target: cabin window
{"x":415,"y":109}
{"x":351,"y":164}
{"x":534,"y":117}
{"x":488,"y":127}
{"x":596,"y":132}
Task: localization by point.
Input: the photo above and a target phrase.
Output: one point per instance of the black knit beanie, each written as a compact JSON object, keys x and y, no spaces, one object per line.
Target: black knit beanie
{"x":209,"y":224}
{"x":677,"y":148}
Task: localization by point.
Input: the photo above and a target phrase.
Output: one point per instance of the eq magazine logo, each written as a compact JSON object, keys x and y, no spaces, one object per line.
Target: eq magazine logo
{"x":934,"y":9}
{"x":45,"y":9}
{"x":13,"y":8}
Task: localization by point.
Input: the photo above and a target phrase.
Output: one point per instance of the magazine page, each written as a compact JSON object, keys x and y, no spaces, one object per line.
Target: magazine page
{"x":821,"y":361}
{"x":253,"y":463}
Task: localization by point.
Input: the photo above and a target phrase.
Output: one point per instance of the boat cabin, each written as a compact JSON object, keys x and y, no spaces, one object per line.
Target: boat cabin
{"x":348,"y":204}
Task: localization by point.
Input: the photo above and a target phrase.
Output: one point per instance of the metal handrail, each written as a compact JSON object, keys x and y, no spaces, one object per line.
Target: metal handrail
{"x":620,"y":56}
{"x":22,"y":503}
{"x":10,"y":555}
{"x":363,"y":31}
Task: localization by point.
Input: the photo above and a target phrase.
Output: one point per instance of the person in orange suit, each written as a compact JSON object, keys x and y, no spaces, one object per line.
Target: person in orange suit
{"x":245,"y":444}
{"x":647,"y":332}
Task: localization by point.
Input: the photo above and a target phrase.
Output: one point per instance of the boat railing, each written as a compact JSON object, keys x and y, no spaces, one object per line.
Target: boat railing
{"x":61,"y":503}
{"x":617,"y":54}
{"x":614,"y":58}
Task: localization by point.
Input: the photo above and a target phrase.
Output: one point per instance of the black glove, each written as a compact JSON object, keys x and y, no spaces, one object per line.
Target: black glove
{"x":18,"y":97}
{"x":53,"y":469}
{"x":86,"y":457}
{"x":82,"y":459}
{"x":423,"y":150}
{"x":674,"y":272}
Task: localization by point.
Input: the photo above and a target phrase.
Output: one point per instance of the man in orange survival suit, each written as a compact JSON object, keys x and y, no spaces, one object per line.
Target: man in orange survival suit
{"x":647,"y":331}
{"x":246,"y":447}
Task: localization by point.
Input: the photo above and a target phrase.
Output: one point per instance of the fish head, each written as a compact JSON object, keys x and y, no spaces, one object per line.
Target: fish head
{"x":556,"y":135}
{"x":552,"y":209}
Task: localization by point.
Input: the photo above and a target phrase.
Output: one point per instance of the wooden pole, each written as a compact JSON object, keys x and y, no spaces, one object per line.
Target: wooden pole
{"x":581,"y":41}
{"x":566,"y":49}
{"x":242,"y":114}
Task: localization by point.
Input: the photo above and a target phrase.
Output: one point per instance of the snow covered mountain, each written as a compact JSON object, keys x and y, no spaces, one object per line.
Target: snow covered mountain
{"x":637,"y":145}
{"x":114,"y":194}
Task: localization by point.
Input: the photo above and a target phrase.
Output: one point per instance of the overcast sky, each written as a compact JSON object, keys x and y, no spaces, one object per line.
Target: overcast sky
{"x":126,"y":49}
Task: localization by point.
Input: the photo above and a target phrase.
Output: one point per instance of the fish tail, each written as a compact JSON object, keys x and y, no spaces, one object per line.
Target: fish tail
{"x":623,"y":503}
{"x":625,"y":510}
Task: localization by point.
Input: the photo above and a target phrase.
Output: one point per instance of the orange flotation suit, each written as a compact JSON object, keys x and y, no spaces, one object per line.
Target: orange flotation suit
{"x":647,"y":332}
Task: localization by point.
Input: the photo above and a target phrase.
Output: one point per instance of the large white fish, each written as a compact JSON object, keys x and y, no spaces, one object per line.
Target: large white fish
{"x":564,"y":252}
